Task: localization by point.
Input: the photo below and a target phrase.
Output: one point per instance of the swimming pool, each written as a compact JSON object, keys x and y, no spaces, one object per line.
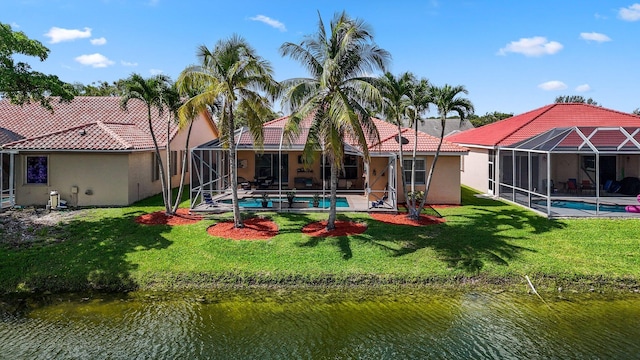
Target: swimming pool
{"x":579,"y":205}
{"x":256,"y":202}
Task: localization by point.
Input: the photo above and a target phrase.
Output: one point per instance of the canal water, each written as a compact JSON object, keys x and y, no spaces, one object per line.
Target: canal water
{"x":284,"y":324}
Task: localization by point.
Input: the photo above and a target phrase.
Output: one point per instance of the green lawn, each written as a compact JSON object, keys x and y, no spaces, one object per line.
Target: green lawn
{"x":483,"y":241}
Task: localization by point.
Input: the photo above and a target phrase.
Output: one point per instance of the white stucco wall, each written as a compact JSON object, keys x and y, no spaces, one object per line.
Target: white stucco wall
{"x":475,"y":171}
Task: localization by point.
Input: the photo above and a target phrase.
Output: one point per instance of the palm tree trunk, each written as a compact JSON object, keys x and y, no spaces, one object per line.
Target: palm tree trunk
{"x":331,"y":222}
{"x":159,"y":161}
{"x":168,"y":158}
{"x":402,"y":176}
{"x":183,"y":171}
{"x":413,"y":210}
{"x":433,"y":165}
{"x":237,"y":219}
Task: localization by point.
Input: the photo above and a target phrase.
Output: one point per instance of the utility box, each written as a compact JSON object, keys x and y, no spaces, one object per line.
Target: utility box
{"x":54,"y":199}
{"x":74,"y":189}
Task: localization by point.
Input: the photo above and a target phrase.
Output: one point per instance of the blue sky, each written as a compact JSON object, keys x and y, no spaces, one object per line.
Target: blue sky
{"x":512,"y":56}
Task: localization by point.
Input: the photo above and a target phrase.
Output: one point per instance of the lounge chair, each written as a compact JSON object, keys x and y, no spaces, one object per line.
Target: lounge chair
{"x":206,"y":197}
{"x":380,"y":203}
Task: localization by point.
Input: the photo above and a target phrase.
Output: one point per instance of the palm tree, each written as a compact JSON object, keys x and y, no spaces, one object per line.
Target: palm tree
{"x":420,"y":98}
{"x":447,"y":100}
{"x":150,"y":91}
{"x":396,"y":91}
{"x":234,"y":75}
{"x":337,"y":95}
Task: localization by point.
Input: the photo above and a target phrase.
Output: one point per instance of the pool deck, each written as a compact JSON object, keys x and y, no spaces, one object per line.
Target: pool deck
{"x":356,"y":200}
{"x":561,"y":212}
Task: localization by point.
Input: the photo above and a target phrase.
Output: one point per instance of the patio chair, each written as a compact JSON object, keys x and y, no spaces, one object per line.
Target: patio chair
{"x":244,"y":184}
{"x":382,"y":203}
{"x":206,"y":197}
{"x":572,"y":186}
{"x":587,"y":186}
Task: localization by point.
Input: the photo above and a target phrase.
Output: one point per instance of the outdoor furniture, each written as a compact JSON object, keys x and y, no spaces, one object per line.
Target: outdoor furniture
{"x":244,"y":184}
{"x":587,"y":186}
{"x":572,"y":186}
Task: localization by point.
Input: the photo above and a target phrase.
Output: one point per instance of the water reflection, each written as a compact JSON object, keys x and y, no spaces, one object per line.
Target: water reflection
{"x":318,"y":325}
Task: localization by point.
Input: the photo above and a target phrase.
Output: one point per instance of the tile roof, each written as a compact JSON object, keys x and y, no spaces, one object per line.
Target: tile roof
{"x":388,"y":133}
{"x":517,"y":128}
{"x":86,"y":123}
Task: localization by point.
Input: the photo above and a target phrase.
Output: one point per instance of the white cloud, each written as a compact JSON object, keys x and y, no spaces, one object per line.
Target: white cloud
{"x":631,"y":13}
{"x":126,"y":63}
{"x":269,"y":21}
{"x":98,"y":41}
{"x":57,"y":34}
{"x":14,"y":25}
{"x":594,"y":36}
{"x":94,"y":60}
{"x":534,"y":46}
{"x":583,"y":88}
{"x":553,"y":85}
{"x":155,"y":71}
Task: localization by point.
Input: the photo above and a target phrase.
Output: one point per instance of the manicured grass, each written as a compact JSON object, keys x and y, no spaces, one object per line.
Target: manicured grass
{"x":483,"y":241}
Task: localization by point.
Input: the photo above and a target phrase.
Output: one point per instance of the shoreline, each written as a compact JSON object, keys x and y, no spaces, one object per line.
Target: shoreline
{"x":179,"y":283}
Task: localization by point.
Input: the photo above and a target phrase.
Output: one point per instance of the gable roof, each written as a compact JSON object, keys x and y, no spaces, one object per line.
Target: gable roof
{"x":85,"y":123}
{"x":387,"y":142}
{"x":524,"y":126}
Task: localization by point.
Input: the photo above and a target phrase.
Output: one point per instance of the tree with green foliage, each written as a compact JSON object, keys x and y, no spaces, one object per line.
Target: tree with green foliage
{"x":564,"y":99}
{"x":396,"y":101}
{"x":101,"y":88}
{"x":338,"y":94}
{"x":18,"y":82}
{"x":241,"y":81}
{"x":488,"y":118}
{"x":153,"y":92}
{"x":420,"y":98}
{"x":446,"y":99}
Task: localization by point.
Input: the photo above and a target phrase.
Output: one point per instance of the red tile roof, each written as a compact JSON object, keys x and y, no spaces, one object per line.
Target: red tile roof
{"x":86,"y":123}
{"x":387,"y":131}
{"x":517,"y":128}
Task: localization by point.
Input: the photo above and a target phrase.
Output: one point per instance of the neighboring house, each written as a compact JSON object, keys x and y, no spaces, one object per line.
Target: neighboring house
{"x":89,"y":150}
{"x":433,"y":127}
{"x":279,"y":165}
{"x":553,"y":150}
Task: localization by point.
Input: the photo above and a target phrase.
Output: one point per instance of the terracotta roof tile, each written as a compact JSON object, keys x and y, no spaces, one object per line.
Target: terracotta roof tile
{"x":387,"y":143}
{"x":106,"y":125}
{"x":517,"y":128}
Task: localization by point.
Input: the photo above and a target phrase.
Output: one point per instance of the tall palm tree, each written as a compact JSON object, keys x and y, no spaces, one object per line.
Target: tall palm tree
{"x":337,"y":95}
{"x":396,"y":91}
{"x":150,"y":91}
{"x":447,"y":100}
{"x":420,"y":98}
{"x":234,"y":75}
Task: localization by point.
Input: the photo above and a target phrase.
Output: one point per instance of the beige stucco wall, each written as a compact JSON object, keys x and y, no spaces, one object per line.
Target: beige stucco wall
{"x":100,"y":178}
{"x":475,"y":170}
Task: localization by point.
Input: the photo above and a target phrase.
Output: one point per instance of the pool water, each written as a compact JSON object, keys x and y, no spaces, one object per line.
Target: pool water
{"x":256,"y":202}
{"x":579,"y":205}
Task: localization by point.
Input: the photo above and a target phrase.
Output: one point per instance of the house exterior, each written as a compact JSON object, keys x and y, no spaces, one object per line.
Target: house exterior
{"x":279,"y":166}
{"x":550,"y":151}
{"x":89,"y":151}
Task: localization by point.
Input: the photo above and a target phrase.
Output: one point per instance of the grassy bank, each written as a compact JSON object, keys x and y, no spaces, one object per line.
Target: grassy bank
{"x":483,"y":243}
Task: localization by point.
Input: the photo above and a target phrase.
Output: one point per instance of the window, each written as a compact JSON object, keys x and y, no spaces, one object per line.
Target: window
{"x":155,"y":168}
{"x":349,"y":171}
{"x":37,"y":170}
{"x":421,"y":173}
{"x":267,"y":166}
{"x":174,"y":163}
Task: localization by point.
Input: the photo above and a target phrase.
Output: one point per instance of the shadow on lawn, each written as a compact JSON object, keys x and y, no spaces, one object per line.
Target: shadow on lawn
{"x":92,"y":256}
{"x":487,"y":234}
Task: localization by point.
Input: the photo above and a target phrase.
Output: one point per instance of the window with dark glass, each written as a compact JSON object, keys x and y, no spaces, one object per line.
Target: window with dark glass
{"x":37,"y":170}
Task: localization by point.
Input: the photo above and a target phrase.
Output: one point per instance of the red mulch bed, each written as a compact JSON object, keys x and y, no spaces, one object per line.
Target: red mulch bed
{"x":254,"y":229}
{"x":403,"y":219}
{"x":182,"y":217}
{"x":343,"y":228}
